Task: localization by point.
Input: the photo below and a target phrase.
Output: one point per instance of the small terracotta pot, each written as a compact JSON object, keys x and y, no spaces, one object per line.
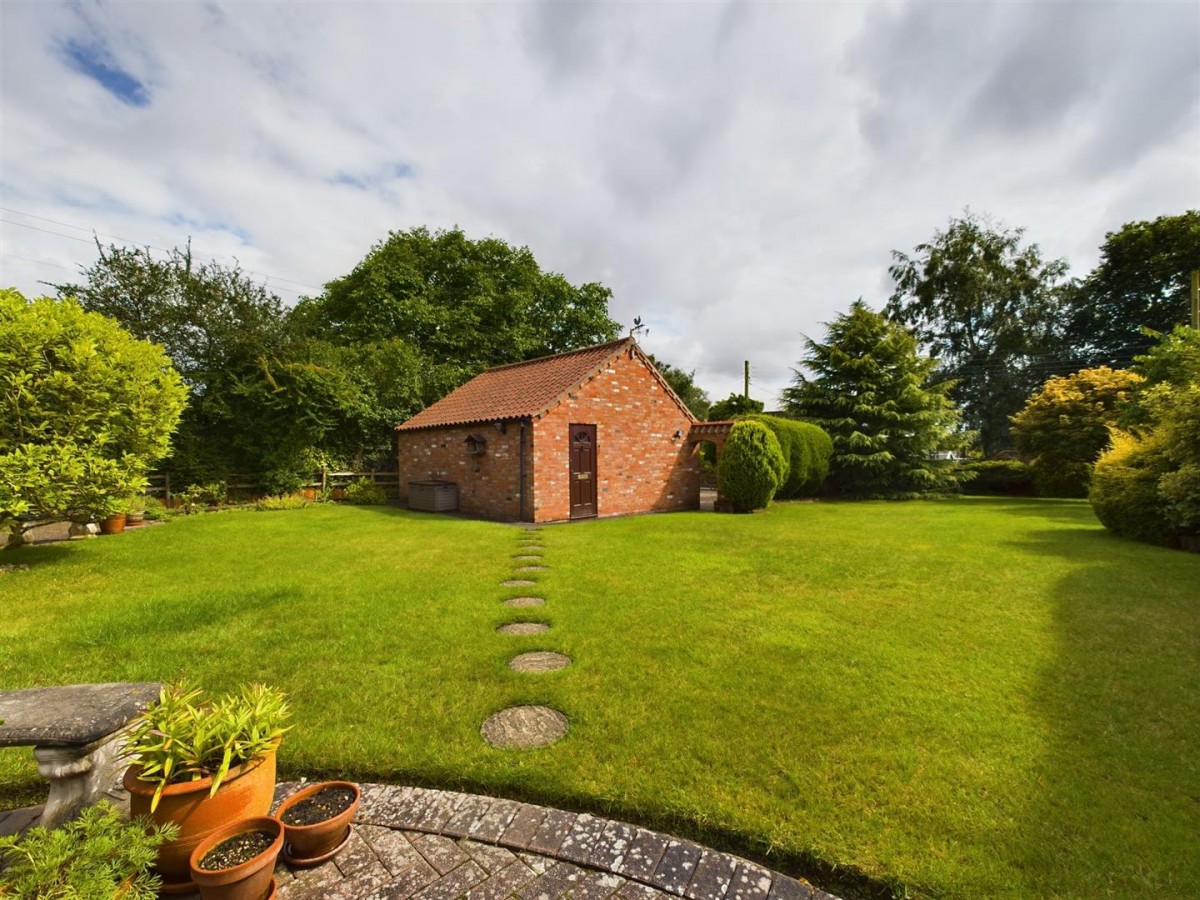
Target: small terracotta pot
{"x":250,"y":880}
{"x":315,"y":842}
{"x":114,"y":524}
{"x":246,"y":791}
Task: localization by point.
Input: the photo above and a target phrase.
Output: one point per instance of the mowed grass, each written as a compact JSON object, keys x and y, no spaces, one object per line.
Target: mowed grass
{"x":972,"y":698}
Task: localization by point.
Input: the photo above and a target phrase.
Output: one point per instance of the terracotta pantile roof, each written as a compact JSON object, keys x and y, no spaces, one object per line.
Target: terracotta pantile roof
{"x":519,"y":390}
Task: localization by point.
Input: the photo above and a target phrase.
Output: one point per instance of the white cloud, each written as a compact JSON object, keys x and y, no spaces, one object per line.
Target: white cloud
{"x":737,"y":173}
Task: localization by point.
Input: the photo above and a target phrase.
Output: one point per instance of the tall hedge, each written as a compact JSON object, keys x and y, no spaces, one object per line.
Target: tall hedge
{"x":1124,"y":490}
{"x":752,"y":466}
{"x":807,"y":449}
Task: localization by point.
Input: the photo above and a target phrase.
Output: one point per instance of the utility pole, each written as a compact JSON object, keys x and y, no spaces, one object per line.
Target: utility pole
{"x":1196,"y":298}
{"x":746,"y":389}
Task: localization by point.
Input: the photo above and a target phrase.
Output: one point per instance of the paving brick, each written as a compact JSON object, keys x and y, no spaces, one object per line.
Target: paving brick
{"x":283,"y":790}
{"x":784,"y":888}
{"x":503,"y":883}
{"x":612,"y":846}
{"x":467,"y":815}
{"x":414,"y":807}
{"x":643,"y":855}
{"x":362,"y":883}
{"x":538,"y":863}
{"x":492,"y":824}
{"x":392,"y":848}
{"x":310,"y":884}
{"x":750,"y":882}
{"x":453,"y":884}
{"x":388,"y":806}
{"x":550,"y":834}
{"x":492,"y":859}
{"x":577,"y":846}
{"x":632,"y":890}
{"x":676,"y":867}
{"x":523,"y":826}
{"x":407,"y":882}
{"x":557,"y":880}
{"x":282,"y":873}
{"x":596,"y":886}
{"x":440,"y":852}
{"x":711,"y":879}
{"x":439,"y":810}
{"x":356,"y":855}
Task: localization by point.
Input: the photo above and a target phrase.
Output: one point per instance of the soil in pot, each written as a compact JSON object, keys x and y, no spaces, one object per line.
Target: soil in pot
{"x":236,"y":850}
{"x":324,"y":804}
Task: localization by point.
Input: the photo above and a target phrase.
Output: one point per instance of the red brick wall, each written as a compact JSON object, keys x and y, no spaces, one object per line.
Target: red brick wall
{"x":487,"y":483}
{"x":640,"y":467}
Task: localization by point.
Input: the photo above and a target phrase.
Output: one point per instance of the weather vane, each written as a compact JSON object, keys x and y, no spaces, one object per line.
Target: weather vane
{"x":638,"y":327}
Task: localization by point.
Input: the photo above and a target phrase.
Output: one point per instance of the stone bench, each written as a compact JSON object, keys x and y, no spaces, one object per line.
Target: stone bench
{"x":72,"y":731}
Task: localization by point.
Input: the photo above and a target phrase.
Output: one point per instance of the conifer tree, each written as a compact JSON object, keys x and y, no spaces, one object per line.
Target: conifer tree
{"x":868,"y":390}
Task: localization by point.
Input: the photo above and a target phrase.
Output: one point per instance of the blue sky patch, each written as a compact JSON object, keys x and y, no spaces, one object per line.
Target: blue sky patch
{"x":91,"y":58}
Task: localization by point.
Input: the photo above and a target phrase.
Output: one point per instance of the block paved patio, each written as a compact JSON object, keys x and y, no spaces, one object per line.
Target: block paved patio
{"x":442,"y":845}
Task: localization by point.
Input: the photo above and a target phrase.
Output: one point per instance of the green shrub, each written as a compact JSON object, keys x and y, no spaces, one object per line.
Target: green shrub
{"x":1055,"y":476}
{"x":1124,"y":492}
{"x":752,"y":466}
{"x":998,"y":476}
{"x":807,"y":450}
{"x":197,"y":496}
{"x":97,"y":856}
{"x":366,"y":492}
{"x":287,"y":501}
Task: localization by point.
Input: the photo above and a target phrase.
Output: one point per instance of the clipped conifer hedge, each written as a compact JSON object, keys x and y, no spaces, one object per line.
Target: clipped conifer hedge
{"x":752,"y":466}
{"x":807,"y":449}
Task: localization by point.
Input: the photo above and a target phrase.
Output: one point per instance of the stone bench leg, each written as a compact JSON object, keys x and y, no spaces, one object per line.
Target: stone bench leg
{"x":78,"y":776}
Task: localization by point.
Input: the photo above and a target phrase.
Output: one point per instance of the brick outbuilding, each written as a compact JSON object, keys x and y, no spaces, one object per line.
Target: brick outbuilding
{"x":594,"y":432}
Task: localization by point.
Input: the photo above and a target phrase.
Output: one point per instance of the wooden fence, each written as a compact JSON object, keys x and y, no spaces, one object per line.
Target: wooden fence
{"x":245,"y":487}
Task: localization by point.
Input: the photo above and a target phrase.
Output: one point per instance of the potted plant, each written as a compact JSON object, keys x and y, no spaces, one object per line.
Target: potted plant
{"x":236,"y":861}
{"x":135,"y":510}
{"x":97,"y":855}
{"x":316,"y":822}
{"x":203,"y":764}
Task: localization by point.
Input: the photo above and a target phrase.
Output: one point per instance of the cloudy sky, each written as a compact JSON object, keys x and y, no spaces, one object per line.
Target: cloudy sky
{"x":738,"y":173}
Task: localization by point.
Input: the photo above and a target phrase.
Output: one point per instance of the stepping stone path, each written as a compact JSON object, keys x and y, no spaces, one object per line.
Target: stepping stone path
{"x":524,"y":727}
{"x":527,"y":727}
{"x":524,"y":628}
{"x":539,"y":661}
{"x":524,"y":601}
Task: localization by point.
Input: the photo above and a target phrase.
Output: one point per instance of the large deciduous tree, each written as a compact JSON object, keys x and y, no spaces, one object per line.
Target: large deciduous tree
{"x":869,"y":390}
{"x":464,"y":304}
{"x":1142,"y":282}
{"x":85,"y":409}
{"x":1065,"y":427}
{"x":985,"y":305}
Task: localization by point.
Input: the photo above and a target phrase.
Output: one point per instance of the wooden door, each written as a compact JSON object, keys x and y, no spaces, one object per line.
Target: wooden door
{"x":583,"y":471}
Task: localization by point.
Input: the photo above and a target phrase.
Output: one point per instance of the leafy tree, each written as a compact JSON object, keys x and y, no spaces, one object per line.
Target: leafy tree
{"x":1065,"y":426}
{"x":868,"y":392}
{"x":986,"y":306}
{"x":1147,"y":486}
{"x":732,"y":407}
{"x":85,"y":409}
{"x":752,"y":466}
{"x":1142,"y":282}
{"x":684,"y":385}
{"x":465,"y":304}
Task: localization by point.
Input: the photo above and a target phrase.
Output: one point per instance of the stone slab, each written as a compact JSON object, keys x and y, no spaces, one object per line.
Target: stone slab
{"x":71,"y":716}
{"x":524,"y":727}
{"x":524,"y":628}
{"x":539,"y":661}
{"x":524,"y":601}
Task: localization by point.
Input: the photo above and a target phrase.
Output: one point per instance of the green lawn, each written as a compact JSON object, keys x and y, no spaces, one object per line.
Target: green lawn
{"x":972,"y":698}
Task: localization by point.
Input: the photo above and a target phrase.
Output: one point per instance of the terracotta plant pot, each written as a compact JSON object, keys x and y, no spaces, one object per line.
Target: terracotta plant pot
{"x":310,"y":845}
{"x":114,"y":524}
{"x":251,"y":880}
{"x":134,"y":519}
{"x":247,"y":791}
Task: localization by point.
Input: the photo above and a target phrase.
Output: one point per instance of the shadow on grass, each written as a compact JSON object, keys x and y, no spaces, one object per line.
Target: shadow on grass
{"x":1116,"y":810}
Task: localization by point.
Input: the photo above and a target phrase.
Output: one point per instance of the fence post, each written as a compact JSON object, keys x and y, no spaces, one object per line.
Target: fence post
{"x":167,"y":486}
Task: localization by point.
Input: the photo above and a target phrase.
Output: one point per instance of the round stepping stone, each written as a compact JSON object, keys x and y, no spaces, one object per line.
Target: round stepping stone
{"x":524,"y":628}
{"x":539,"y":661}
{"x":532,"y":548}
{"x":532,"y":568}
{"x":526,"y":557}
{"x":517,"y":582}
{"x":524,"y":727}
{"x":524,"y":601}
